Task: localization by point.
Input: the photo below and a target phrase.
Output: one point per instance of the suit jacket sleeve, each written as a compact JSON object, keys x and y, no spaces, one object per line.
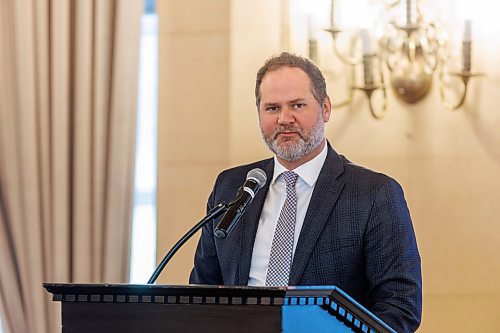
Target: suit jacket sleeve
{"x":392,"y":260}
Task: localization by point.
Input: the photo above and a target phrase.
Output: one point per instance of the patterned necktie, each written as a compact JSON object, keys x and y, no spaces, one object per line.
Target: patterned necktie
{"x":280,"y":259}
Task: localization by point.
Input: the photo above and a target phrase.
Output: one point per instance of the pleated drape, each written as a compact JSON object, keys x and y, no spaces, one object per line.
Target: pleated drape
{"x":68,"y":91}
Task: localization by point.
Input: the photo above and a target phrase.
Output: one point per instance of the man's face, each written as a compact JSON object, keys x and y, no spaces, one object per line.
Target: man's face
{"x":291,"y":119}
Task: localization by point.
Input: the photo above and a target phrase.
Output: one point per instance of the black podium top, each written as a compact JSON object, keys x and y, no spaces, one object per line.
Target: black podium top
{"x":331,"y":298}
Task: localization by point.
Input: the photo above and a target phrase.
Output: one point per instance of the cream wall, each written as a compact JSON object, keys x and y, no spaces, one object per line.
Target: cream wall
{"x":193,"y":118}
{"x":447,"y":162}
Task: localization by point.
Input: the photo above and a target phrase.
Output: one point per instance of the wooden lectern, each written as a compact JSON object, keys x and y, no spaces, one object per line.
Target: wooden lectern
{"x":125,"y":308}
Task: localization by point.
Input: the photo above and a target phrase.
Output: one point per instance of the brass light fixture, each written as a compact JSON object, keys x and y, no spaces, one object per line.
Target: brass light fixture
{"x":410,"y":54}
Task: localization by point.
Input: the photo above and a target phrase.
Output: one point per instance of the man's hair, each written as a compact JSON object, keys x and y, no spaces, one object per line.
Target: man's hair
{"x":286,"y":59}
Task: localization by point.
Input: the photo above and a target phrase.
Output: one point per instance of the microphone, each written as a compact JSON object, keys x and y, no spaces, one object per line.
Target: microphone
{"x":256,"y":179}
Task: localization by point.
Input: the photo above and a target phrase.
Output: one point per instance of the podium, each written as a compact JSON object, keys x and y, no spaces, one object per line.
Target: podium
{"x":128,"y":308}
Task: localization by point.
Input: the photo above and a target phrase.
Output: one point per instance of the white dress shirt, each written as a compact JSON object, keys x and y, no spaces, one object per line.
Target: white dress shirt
{"x":308,"y":174}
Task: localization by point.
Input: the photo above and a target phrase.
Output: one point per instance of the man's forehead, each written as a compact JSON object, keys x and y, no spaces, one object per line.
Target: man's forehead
{"x":288,"y":83}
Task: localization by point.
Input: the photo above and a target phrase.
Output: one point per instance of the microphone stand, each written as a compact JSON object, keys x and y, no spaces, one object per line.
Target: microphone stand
{"x":212,"y":214}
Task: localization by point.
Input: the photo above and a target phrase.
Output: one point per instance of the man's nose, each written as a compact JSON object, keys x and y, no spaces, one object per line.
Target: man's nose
{"x":286,"y":116}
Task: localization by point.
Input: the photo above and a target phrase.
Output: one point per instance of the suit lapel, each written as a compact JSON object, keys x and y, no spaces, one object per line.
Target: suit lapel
{"x":249,"y":223}
{"x":324,"y":197}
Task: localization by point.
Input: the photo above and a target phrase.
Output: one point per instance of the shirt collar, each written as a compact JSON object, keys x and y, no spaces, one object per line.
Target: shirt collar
{"x":309,"y":171}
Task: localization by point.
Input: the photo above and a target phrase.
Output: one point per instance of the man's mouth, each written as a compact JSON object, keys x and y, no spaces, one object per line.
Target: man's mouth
{"x":287,"y":134}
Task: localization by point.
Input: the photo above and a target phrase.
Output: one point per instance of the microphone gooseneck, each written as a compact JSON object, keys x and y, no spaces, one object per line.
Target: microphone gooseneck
{"x":214,"y":213}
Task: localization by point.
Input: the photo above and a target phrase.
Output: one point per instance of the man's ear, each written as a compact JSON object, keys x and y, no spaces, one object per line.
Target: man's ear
{"x":326,"y":110}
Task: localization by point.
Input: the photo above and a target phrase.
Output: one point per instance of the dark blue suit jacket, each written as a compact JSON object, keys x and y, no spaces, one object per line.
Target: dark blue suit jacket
{"x":357,"y":235}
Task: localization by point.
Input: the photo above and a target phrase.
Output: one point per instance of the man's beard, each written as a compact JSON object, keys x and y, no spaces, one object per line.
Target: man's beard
{"x":291,"y":150}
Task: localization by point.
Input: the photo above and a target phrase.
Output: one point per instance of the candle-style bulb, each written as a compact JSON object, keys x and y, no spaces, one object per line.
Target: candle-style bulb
{"x":467,"y":31}
{"x":312,"y":42}
{"x":467,"y":47}
{"x":310,"y":30}
{"x":367,"y":57}
{"x":366,"y":42}
{"x":409,"y":12}
{"x":332,"y":14}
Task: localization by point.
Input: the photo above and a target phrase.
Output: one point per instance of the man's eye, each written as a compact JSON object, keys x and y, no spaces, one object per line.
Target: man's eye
{"x":272,"y":108}
{"x":298,"y":106}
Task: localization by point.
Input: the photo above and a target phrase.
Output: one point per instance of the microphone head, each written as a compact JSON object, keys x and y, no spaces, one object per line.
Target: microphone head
{"x":258,"y":175}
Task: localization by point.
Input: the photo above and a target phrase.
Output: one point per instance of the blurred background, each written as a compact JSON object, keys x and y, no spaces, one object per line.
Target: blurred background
{"x":117,"y":116}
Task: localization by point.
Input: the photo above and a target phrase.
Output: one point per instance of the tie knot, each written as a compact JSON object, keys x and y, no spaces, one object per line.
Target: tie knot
{"x":290,"y":178}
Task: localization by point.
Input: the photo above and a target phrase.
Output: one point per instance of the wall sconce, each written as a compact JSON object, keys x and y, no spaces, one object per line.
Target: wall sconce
{"x":408,"y":55}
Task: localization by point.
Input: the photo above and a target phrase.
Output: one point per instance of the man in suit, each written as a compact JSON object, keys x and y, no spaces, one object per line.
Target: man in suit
{"x":320,"y":219}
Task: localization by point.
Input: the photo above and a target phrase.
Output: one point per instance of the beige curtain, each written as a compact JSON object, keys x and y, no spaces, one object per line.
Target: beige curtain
{"x":68,"y":82}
